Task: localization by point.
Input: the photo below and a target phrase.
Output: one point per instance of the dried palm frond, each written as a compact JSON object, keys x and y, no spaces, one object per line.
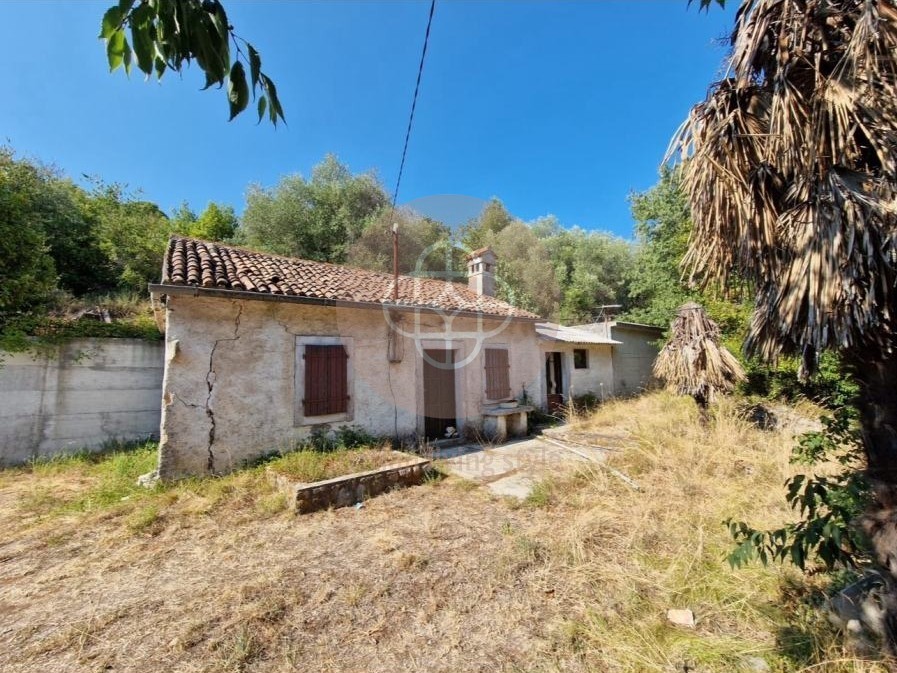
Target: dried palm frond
{"x":791,"y":173}
{"x":693,"y":361}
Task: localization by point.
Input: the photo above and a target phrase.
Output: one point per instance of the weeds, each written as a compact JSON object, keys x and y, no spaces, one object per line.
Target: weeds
{"x":308,"y":466}
{"x":582,"y":575}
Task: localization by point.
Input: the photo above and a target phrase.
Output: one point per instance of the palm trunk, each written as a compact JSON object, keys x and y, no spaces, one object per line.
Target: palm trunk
{"x":877,"y":404}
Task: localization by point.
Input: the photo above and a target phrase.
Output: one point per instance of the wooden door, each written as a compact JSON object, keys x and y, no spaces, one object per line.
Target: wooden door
{"x":439,"y":393}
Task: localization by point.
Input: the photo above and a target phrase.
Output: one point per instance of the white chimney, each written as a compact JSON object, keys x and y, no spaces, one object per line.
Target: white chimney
{"x":481,"y":271}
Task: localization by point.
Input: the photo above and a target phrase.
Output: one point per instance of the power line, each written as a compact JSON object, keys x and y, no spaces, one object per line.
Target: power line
{"x":420,"y":70}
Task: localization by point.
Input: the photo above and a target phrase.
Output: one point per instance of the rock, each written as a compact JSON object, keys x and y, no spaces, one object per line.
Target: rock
{"x":857,"y":608}
{"x":762,"y":417}
{"x":682,"y":618}
{"x":148,"y":480}
{"x":757,"y":664}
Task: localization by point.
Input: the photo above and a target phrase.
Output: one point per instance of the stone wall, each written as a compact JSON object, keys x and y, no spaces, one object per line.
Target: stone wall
{"x":81,"y":395}
{"x":352,"y":489}
{"x":231,"y":392}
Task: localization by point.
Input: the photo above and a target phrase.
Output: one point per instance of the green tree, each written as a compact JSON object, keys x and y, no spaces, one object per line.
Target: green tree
{"x":72,"y":234}
{"x":215,"y":223}
{"x":791,"y":181}
{"x":525,"y":273}
{"x":491,"y":221}
{"x":170,"y":34}
{"x":313,"y":219}
{"x":132,"y":233}
{"x":655,"y":280}
{"x":27,"y":272}
{"x":183,"y":219}
{"x":423,"y":243}
{"x":662,"y":227}
{"x":591,"y":268}
{"x":52,"y":204}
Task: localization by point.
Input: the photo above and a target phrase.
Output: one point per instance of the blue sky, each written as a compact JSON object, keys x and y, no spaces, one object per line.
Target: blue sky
{"x":560,"y":108}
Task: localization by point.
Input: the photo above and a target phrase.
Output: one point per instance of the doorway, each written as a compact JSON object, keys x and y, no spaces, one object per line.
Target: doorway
{"x":439,"y":393}
{"x":554,"y":380}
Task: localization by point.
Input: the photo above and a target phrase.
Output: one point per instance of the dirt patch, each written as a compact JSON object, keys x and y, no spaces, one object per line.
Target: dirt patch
{"x":214,"y":575}
{"x":433,"y":578}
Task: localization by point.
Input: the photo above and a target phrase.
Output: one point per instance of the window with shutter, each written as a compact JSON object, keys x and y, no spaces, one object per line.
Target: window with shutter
{"x":326,"y":380}
{"x":498,"y":377}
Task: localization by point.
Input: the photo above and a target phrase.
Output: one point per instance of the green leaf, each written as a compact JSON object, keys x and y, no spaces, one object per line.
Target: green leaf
{"x":210,"y":52}
{"x":144,"y":47}
{"x":126,"y":56}
{"x":115,"y":49}
{"x":274,"y":109}
{"x":237,"y":90}
{"x":111,"y":22}
{"x":124,"y":6}
{"x":160,"y":67}
{"x":263,"y":103}
{"x":255,"y":66}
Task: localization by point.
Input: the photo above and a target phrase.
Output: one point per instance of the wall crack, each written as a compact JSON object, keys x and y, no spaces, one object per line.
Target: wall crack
{"x":210,"y":384}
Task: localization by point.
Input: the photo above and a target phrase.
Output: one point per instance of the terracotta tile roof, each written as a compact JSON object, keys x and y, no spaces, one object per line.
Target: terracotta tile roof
{"x":191,"y":262}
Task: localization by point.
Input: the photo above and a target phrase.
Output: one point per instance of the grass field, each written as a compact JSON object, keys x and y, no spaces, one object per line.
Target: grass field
{"x":215,"y":575}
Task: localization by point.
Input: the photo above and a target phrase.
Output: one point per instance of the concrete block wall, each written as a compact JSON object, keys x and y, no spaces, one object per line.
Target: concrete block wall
{"x":81,"y":395}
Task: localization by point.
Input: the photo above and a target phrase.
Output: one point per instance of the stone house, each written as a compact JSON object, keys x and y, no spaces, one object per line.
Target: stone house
{"x":260,"y":350}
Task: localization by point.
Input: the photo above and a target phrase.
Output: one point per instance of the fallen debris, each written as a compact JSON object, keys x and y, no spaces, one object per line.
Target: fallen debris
{"x":681,"y":618}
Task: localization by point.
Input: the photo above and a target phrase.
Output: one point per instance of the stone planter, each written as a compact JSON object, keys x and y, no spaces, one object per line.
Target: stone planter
{"x":351,"y":488}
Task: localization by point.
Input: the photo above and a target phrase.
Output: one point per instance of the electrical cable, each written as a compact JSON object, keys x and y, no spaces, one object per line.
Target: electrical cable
{"x":420,"y":70}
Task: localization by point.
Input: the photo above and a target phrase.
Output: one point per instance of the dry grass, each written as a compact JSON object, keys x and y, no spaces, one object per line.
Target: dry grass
{"x":216,"y":576}
{"x":308,"y":465}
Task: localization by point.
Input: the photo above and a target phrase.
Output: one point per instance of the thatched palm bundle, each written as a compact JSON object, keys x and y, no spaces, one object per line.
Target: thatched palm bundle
{"x":792,"y":176}
{"x":694,"y":362}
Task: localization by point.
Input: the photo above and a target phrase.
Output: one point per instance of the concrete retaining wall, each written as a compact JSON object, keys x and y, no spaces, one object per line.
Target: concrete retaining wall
{"x":83,"y":394}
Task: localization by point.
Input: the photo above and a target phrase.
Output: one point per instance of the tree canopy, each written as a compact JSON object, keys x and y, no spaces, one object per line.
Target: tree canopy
{"x":316,"y":218}
{"x":423,"y":244}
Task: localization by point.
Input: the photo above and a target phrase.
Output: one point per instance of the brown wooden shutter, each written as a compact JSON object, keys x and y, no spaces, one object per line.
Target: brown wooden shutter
{"x":498,"y":379}
{"x":326,"y":380}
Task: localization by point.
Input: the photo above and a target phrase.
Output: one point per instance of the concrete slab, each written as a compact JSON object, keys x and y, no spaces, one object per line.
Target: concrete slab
{"x":511,"y":469}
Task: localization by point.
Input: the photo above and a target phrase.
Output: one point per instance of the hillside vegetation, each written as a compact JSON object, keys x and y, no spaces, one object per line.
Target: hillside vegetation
{"x":65,"y":240}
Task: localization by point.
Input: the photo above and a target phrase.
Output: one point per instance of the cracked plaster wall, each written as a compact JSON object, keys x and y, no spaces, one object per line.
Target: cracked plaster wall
{"x":229,"y":394}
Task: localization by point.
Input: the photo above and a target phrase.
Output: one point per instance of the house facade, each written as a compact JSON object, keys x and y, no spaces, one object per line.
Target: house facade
{"x":576,"y":362}
{"x":262,"y":350}
{"x":635,"y":348}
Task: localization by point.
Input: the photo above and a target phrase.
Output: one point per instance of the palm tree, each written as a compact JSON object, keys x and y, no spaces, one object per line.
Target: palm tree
{"x":792,"y":181}
{"x":693,"y":361}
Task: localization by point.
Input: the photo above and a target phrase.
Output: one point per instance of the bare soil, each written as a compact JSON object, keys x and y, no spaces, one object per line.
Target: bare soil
{"x":440,"y":577}
{"x":215,"y":575}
